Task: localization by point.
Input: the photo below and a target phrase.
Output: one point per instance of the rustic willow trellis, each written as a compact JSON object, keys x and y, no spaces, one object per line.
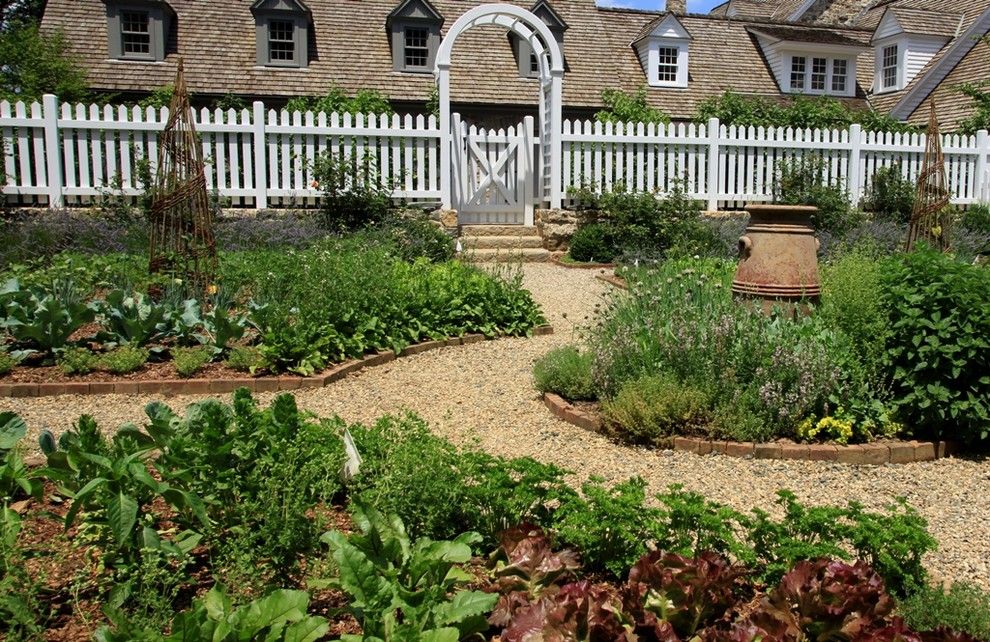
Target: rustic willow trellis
{"x":182,"y":242}
{"x":930,"y":215}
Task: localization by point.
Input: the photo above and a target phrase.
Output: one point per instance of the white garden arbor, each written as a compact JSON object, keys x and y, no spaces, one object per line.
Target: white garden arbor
{"x":532,"y":29}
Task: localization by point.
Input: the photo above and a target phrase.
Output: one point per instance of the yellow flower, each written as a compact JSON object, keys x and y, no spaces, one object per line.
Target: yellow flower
{"x":839,"y":430}
{"x":211,"y":289}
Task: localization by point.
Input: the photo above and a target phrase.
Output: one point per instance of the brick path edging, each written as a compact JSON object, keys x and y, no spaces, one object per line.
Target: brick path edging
{"x":613,"y":280}
{"x":220,"y":386}
{"x":901,"y":452}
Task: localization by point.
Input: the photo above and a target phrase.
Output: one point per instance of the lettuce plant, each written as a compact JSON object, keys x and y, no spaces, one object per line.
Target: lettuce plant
{"x":133,"y":318}
{"x":578,"y":611}
{"x":41,"y":318}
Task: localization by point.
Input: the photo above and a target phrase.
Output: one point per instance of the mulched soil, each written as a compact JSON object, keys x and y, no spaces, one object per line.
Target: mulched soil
{"x":151,"y":371}
{"x":72,"y":587}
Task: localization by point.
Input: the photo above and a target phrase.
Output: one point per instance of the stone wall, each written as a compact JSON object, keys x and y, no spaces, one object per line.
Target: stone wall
{"x":558,"y":226}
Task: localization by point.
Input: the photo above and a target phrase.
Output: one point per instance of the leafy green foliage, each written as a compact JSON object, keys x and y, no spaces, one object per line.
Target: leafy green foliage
{"x":593,"y":242}
{"x":964,"y":608}
{"x":365,"y":101}
{"x":798,"y":112}
{"x":7,"y":362}
{"x":111,"y":487}
{"x":891,"y":196}
{"x":609,"y":526}
{"x":620,"y":107}
{"x":567,"y":372}
{"x":655,"y":407}
{"x":20,"y":608}
{"x":15,"y":478}
{"x":245,"y":359}
{"x":279,"y":616}
{"x":36,"y":64}
{"x":353,"y":193}
{"x":189,"y":361}
{"x":402,"y":589}
{"x":803,"y":182}
{"x":124,"y":359}
{"x":980,"y":118}
{"x":939,"y":349}
{"x":78,"y":361}
{"x":418,"y":237}
{"x":44,"y":318}
{"x":133,"y":318}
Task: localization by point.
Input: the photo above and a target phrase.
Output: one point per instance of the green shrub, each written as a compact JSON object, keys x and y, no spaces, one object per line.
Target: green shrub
{"x":963,"y":608}
{"x":245,"y":359}
{"x":353,"y":194}
{"x":891,"y":196}
{"x":189,"y":361}
{"x":420,"y":238}
{"x":853,"y":301}
{"x":977,"y":218}
{"x":939,"y":347}
{"x":802,"y":182}
{"x":592,"y":242}
{"x":123,"y":360}
{"x":7,"y":362}
{"x":610,"y":527}
{"x":78,"y":361}
{"x":654,"y":407}
{"x":567,"y":372}
{"x":411,"y":473}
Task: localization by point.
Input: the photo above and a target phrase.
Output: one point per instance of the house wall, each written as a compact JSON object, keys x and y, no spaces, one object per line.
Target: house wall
{"x":776,"y":62}
{"x":919,"y":52}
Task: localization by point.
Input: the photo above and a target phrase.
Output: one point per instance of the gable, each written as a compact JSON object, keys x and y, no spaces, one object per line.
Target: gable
{"x":295,"y":6}
{"x":545,"y":12}
{"x":415,"y":10}
{"x":888,"y":27}
{"x":670,"y":27}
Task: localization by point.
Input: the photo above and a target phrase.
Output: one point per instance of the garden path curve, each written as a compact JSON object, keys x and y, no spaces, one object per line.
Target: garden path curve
{"x":483,"y":394}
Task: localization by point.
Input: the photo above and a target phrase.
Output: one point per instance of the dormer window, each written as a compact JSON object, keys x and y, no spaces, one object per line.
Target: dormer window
{"x":905,"y":40}
{"x":663,"y":47}
{"x":282,"y":33}
{"x":810,"y":60}
{"x":888,"y":67}
{"x":414,"y":29}
{"x":529,"y":66}
{"x":138,"y":29}
{"x":416,"y":47}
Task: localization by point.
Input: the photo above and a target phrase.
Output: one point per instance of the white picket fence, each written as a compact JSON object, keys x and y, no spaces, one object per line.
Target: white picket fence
{"x":261,"y":157}
{"x":720,"y":164}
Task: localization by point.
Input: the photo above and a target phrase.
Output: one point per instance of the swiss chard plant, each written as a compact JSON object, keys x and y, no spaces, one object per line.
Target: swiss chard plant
{"x":405,"y":590}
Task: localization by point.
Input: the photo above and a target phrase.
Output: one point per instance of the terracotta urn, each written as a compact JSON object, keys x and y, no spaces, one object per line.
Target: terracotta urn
{"x":778,"y":257}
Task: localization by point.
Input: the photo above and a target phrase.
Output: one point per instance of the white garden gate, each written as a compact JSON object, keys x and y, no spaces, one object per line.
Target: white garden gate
{"x":490,"y":176}
{"x":494,"y":173}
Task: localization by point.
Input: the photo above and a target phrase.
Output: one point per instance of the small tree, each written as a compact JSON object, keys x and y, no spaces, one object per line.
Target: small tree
{"x":620,"y":107}
{"x":34,"y":64}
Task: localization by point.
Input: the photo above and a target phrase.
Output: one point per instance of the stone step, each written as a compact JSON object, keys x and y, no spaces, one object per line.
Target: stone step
{"x":517,"y":255}
{"x":496,"y":242}
{"x":499,"y":230}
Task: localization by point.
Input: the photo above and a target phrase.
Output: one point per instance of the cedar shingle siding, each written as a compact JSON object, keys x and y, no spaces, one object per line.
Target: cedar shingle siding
{"x":351,"y":46}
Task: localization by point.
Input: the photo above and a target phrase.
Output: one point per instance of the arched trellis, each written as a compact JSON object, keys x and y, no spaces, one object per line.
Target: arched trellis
{"x":533,"y":30}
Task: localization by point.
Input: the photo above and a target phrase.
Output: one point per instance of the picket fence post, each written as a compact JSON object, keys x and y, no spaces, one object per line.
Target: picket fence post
{"x":53,"y":150}
{"x":714,"y":180}
{"x":982,"y":170}
{"x":855,"y":158}
{"x":260,"y":164}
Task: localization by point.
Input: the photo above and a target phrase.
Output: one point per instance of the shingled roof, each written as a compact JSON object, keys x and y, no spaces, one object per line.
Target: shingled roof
{"x":350,"y":48}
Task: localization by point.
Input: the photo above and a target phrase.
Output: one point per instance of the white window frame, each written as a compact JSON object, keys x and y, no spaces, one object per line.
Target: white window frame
{"x":901,"y":51}
{"x":682,"y":47}
{"x":810,"y":58}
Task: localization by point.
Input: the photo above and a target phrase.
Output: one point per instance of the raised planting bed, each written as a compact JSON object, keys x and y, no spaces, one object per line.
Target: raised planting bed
{"x":224,"y":380}
{"x":585,"y":415}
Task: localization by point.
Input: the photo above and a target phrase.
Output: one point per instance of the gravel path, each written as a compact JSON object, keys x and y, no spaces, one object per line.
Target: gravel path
{"x":483,"y":394}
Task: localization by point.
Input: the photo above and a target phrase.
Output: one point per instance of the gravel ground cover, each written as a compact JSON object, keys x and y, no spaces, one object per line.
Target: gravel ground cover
{"x":482,"y":394}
